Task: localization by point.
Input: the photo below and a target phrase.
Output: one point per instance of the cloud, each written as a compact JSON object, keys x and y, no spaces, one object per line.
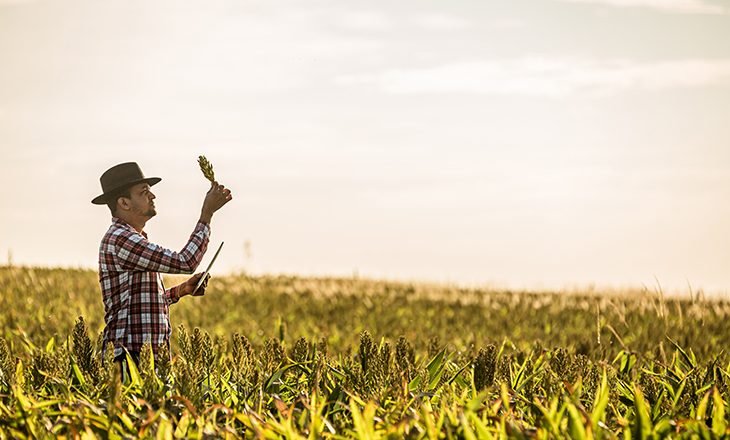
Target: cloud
{"x":274,"y":50}
{"x":548,"y":77}
{"x":674,"y":6}
{"x":364,"y":21}
{"x":508,"y":23}
{"x":439,"y":21}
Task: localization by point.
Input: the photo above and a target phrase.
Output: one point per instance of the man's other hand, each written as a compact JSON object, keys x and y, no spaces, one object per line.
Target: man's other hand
{"x":193,"y":281}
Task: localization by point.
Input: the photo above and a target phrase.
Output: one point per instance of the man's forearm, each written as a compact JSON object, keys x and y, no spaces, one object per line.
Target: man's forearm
{"x":206,"y":216}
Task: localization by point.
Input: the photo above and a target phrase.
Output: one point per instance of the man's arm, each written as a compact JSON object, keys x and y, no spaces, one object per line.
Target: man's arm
{"x":173,"y":294}
{"x":137,"y":253}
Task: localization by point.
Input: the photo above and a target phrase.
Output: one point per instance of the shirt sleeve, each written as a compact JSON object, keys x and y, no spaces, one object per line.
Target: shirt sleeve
{"x":136,"y":253}
{"x":173,"y":294}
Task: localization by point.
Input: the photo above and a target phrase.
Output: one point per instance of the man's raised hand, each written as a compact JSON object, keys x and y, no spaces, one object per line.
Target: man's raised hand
{"x":217,"y":196}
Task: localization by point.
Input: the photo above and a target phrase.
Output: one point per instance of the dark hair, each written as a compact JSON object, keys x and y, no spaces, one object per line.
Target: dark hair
{"x":114,"y":197}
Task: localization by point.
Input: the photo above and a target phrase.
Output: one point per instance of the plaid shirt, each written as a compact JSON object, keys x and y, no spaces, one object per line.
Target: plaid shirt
{"x":135,"y":300}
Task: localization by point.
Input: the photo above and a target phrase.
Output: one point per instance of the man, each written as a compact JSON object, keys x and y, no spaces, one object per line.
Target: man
{"x":135,"y":300}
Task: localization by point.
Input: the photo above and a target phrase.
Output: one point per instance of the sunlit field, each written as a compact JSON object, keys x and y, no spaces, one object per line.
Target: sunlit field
{"x":291,"y":357}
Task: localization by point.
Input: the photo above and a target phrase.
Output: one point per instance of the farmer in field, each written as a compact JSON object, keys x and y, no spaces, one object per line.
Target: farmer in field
{"x":135,"y":300}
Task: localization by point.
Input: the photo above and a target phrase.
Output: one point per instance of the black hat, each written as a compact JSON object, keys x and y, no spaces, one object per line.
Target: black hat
{"x":119,"y":177}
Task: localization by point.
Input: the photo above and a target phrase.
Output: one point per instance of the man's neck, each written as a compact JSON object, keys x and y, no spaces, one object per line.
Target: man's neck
{"x":136,"y":223}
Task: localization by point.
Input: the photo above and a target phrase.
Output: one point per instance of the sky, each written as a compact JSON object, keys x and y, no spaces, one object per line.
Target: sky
{"x":514,"y":143}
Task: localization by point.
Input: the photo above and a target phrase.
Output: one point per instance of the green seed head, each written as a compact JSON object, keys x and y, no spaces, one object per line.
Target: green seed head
{"x":207,"y":168}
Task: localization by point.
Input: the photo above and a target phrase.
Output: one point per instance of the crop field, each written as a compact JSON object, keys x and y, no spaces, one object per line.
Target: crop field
{"x":308,"y":358}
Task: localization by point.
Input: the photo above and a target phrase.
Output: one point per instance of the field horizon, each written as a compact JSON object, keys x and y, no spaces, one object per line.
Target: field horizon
{"x":688,"y":291}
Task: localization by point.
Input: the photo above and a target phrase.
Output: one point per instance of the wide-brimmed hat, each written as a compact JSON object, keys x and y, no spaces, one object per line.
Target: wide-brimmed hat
{"x":119,"y":177}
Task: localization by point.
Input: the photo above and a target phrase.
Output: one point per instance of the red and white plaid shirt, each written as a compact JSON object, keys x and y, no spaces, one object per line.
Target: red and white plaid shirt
{"x":135,"y":300}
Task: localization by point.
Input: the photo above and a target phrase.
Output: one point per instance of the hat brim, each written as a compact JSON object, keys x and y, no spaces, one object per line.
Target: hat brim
{"x":103,"y":199}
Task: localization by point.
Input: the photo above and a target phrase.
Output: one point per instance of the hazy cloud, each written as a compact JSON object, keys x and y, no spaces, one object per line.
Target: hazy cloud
{"x":549,"y":77}
{"x":675,"y":6}
{"x":513,"y":23}
{"x":439,"y":21}
{"x":364,"y":21}
{"x":276,"y":50}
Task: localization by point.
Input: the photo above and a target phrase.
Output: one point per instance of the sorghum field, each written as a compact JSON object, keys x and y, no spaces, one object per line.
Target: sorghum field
{"x":288,"y":357}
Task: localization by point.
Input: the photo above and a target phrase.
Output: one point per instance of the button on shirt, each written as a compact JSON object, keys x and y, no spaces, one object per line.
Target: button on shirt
{"x":135,"y":299}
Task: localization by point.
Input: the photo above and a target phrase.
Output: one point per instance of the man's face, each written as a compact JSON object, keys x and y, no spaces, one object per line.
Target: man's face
{"x":142,"y":201}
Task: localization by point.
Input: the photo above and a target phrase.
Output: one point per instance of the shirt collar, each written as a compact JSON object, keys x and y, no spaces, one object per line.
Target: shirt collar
{"x":122,"y":224}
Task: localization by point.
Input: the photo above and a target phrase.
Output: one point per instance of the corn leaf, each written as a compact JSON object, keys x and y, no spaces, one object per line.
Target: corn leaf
{"x":718,"y":414}
{"x":642,"y":425}
{"x":576,"y":425}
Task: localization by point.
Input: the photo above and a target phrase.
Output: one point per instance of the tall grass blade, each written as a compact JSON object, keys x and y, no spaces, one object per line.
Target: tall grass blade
{"x":690,"y":360}
{"x":719,"y":424}
{"x":642,"y":426}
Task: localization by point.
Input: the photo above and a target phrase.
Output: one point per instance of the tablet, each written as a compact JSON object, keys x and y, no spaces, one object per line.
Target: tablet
{"x":202,"y":279}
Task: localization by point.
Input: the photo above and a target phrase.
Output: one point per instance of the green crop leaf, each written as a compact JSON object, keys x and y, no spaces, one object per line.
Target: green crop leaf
{"x":576,"y":424}
{"x":277,"y":375}
{"x":51,"y":345}
{"x":656,"y":412}
{"x":77,"y":372}
{"x":691,"y":360}
{"x":699,"y":413}
{"x":435,"y":363}
{"x":718,"y":414}
{"x":207,"y":168}
{"x":480,"y":427}
{"x":643,"y":425}
{"x":135,"y":380}
{"x":468,"y":432}
{"x":363,"y":421}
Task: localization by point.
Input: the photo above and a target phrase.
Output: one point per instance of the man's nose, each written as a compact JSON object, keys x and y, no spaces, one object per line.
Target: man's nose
{"x":152,"y":196}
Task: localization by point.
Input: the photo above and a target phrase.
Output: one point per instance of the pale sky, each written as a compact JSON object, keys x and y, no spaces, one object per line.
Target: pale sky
{"x":518,"y":143}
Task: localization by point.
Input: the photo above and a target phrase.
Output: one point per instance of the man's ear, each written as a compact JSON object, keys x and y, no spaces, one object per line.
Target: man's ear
{"x":123,"y":204}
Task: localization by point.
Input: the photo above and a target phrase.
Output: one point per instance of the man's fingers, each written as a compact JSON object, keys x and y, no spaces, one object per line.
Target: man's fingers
{"x":196,"y":278}
{"x":226,"y":193}
{"x":221,"y":189}
{"x":217,"y":196}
